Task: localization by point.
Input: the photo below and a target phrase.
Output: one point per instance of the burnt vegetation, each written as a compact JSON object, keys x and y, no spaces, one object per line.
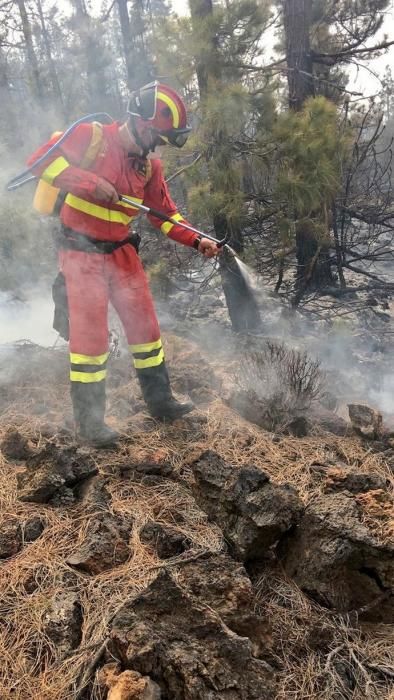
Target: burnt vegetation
{"x":245,"y":551}
{"x":282,"y":380}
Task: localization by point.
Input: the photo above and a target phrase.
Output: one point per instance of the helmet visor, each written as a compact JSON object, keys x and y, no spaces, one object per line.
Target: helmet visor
{"x":176,"y":137}
{"x":142,"y":103}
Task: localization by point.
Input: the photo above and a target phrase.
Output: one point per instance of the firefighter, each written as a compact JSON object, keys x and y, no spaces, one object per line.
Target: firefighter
{"x":96,"y":258}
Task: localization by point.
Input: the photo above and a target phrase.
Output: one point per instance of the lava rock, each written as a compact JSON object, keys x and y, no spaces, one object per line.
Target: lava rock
{"x":365,"y":420}
{"x":15,"y":446}
{"x":346,"y":479}
{"x":10,"y":539}
{"x":62,"y":622}
{"x":150,"y":463}
{"x":335,"y":558}
{"x":252,"y":512}
{"x":223,"y":584}
{"x":328,"y":420}
{"x":167,"y":541}
{"x":32,"y":529}
{"x":105,"y":546}
{"x":298,"y":426}
{"x":185,"y":647}
{"x":93,"y":494}
{"x":128,"y":685}
{"x":14,"y":533}
{"x":52,"y":469}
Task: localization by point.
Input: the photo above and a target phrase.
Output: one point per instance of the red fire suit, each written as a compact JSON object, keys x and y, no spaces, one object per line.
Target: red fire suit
{"x":94,"y":279}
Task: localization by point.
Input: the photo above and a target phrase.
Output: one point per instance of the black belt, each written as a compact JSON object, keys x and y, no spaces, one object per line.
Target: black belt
{"x":72,"y":240}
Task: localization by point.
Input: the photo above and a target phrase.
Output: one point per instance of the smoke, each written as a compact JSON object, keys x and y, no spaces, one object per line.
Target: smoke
{"x":29,"y":319}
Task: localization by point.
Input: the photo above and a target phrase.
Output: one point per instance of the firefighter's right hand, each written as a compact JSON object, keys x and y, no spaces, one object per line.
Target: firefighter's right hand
{"x":105,"y":192}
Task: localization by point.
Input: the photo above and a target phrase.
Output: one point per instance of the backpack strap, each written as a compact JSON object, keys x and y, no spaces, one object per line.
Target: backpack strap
{"x":96,"y":143}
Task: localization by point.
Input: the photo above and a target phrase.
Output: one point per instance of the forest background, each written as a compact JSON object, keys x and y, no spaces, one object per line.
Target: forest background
{"x":291,"y":153}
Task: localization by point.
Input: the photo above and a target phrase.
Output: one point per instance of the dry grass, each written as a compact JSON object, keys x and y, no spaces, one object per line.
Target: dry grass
{"x":31,"y":668}
{"x":321,"y":656}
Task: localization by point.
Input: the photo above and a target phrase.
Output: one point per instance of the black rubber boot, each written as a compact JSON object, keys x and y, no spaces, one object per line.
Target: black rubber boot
{"x":156,"y":390}
{"x":89,"y":410}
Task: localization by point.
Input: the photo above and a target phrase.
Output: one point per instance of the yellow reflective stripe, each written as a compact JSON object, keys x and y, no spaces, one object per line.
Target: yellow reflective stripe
{"x":150,"y":361}
{"x":146,"y":347}
{"x":76,"y":359}
{"x":88,"y":377}
{"x":103,"y":213}
{"x":54,"y":169}
{"x":167,"y":226}
{"x":171,"y":104}
{"x":96,"y":142}
{"x":137,"y":200}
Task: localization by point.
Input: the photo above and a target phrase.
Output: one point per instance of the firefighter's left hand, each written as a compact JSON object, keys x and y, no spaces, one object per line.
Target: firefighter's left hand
{"x":208,"y":248}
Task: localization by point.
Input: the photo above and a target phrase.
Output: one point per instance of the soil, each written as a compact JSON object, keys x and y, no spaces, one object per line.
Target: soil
{"x":206,"y":559}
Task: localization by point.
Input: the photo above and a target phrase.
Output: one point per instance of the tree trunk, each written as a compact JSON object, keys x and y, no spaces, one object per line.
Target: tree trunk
{"x":297,"y":25}
{"x":48,"y":52}
{"x":313,"y":259}
{"x":36,"y":86}
{"x":241,"y":304}
{"x":138,"y":66}
{"x":127,"y":41}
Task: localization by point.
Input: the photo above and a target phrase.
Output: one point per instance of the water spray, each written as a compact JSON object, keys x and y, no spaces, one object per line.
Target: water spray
{"x":221,"y":243}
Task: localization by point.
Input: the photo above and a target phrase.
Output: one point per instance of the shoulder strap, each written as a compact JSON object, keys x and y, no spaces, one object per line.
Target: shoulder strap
{"x":148,"y":173}
{"x":94,"y":147}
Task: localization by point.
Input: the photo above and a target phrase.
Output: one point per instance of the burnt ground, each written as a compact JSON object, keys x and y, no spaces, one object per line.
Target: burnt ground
{"x":206,"y":559}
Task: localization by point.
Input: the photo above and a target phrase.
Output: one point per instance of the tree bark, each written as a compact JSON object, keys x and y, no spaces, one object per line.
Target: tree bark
{"x":313,"y":260}
{"x":241,"y":304}
{"x":297,"y":25}
{"x":37,"y":88}
{"x":48,"y":52}
{"x":127,"y":41}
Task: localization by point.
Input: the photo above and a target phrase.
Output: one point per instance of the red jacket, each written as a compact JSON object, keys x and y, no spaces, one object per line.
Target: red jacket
{"x":133,"y":177}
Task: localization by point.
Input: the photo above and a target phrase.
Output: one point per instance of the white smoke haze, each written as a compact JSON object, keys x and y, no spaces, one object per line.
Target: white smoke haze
{"x":27,"y":312}
{"x":27,"y":320}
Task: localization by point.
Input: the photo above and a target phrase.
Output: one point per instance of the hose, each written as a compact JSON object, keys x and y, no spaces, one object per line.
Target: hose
{"x":25,"y":176}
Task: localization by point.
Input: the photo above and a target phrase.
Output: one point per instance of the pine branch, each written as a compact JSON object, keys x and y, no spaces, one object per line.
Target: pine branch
{"x":325,"y":58}
{"x":185,"y":167}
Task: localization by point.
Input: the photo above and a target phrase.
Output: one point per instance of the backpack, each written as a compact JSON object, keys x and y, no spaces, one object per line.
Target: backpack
{"x":49,"y":199}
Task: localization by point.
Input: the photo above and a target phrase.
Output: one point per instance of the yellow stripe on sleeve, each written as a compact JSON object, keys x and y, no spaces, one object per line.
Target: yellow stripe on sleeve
{"x":54,"y":169}
{"x":167,"y":225}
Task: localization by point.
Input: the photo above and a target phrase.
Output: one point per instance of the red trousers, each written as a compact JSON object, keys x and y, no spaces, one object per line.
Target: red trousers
{"x":93,"y":280}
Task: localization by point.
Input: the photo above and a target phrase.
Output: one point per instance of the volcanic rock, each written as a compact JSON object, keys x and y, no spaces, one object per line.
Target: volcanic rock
{"x":347,"y":479}
{"x":62,"y":622}
{"x":365,"y":420}
{"x":252,"y":512}
{"x":14,"y":533}
{"x":15,"y":446}
{"x":148,"y":463}
{"x":335,"y":558}
{"x":93,"y":494}
{"x":328,"y":420}
{"x":105,"y":545}
{"x":52,"y":469}
{"x":128,"y":685}
{"x":223,"y":584}
{"x":186,"y":648}
{"x":167,"y":541}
